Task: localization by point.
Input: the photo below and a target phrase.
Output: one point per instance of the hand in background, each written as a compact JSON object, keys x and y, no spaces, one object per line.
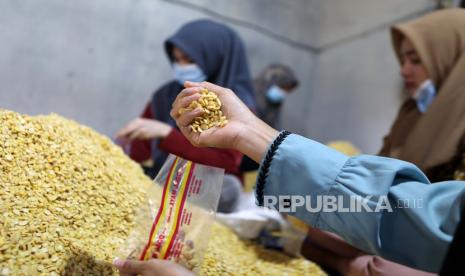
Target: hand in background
{"x":153,"y":267}
{"x":144,"y":129}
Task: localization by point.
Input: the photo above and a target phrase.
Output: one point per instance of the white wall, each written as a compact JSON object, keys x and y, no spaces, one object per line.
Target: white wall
{"x":98,"y":61}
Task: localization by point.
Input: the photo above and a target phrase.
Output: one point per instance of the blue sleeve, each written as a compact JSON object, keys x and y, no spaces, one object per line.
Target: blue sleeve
{"x":383,"y":206}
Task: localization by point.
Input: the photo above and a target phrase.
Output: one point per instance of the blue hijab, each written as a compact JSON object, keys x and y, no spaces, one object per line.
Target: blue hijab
{"x":220,"y":53}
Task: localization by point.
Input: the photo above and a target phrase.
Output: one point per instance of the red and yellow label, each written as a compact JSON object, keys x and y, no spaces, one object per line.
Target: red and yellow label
{"x":168,"y":219}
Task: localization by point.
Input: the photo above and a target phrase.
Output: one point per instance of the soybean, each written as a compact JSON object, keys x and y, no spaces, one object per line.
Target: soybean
{"x":212,"y":115}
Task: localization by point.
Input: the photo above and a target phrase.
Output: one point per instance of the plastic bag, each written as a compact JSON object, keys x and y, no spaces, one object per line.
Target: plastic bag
{"x":265,"y":226}
{"x":174,"y":223}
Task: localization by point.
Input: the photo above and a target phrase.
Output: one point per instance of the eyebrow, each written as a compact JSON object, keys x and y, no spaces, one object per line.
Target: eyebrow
{"x":410,"y":53}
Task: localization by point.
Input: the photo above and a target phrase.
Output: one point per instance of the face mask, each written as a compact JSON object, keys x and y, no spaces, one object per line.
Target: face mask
{"x":425,"y":95}
{"x":275,"y":94}
{"x":189,"y":72}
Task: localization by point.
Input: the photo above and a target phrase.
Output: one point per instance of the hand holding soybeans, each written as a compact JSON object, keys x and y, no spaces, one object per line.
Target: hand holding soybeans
{"x":243,"y":130}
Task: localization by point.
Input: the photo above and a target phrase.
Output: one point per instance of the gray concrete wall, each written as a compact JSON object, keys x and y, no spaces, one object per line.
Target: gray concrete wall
{"x":99,"y":61}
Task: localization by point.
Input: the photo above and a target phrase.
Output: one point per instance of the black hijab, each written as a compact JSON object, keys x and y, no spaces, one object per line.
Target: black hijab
{"x":220,"y":53}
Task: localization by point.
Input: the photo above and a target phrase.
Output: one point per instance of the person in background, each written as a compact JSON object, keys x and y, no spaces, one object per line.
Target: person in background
{"x":430,"y":238}
{"x":199,"y":50}
{"x":272,"y":86}
{"x":429,"y":130}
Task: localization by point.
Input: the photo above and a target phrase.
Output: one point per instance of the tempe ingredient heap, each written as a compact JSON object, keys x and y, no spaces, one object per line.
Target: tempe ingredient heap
{"x":212,"y":115}
{"x":68,"y":197}
{"x":67,"y":194}
{"x":227,"y":254}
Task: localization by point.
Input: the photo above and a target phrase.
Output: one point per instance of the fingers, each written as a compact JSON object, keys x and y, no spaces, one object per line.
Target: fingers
{"x":208,"y":85}
{"x":137,"y":129}
{"x":186,"y":92}
{"x":138,"y":133}
{"x":214,"y":88}
{"x":183,"y":102}
{"x":185,"y":119}
{"x":186,"y":96}
{"x":129,"y":267}
{"x":126,"y":130}
{"x":188,"y":84}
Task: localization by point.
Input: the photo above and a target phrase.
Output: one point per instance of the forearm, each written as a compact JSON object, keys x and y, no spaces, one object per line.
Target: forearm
{"x":304,"y":168}
{"x":254,"y":139}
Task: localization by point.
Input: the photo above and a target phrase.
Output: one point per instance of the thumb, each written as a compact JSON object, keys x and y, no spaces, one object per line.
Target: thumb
{"x":129,"y":267}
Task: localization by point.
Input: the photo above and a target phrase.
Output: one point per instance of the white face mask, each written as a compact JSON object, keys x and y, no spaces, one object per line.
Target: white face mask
{"x":275,"y":94}
{"x":425,"y":95}
{"x":189,"y":72}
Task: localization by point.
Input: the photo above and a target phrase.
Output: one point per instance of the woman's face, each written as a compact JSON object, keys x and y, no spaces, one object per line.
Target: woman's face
{"x":181,"y":58}
{"x":412,"y":69}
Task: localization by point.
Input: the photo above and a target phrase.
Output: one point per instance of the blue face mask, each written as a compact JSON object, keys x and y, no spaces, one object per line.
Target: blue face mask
{"x":189,"y":72}
{"x":275,"y":94}
{"x":425,"y":95}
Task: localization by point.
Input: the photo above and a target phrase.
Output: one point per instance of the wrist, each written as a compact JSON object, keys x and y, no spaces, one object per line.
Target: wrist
{"x":254,"y":139}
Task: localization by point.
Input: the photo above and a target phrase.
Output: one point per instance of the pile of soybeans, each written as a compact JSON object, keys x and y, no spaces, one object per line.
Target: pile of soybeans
{"x":227,"y":254}
{"x":68,"y":197}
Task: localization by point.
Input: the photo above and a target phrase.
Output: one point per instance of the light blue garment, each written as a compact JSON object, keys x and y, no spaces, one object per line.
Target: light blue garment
{"x":417,"y":237}
{"x":425,"y":95}
{"x":275,"y":94}
{"x":189,"y":72}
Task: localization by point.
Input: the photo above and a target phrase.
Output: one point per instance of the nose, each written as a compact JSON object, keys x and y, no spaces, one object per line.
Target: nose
{"x":406,"y":69}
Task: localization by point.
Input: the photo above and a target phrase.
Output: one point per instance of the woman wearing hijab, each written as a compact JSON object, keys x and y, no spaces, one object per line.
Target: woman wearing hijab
{"x":429,"y":130}
{"x":430,"y":237}
{"x":199,"y":50}
{"x":272,"y":86}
